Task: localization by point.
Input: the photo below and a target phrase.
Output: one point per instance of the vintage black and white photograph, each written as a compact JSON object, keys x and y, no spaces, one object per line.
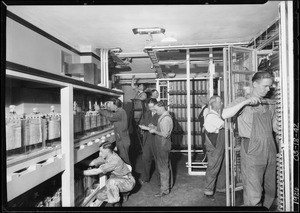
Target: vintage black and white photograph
{"x":153,"y":107}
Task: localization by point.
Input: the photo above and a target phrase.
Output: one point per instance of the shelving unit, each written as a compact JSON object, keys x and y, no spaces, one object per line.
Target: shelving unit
{"x":41,"y":164}
{"x":173,"y":91}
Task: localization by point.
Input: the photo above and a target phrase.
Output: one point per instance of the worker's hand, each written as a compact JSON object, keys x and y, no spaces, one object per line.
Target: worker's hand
{"x":152,"y":130}
{"x":87,"y":172}
{"x":253,"y":101}
{"x":152,"y":126}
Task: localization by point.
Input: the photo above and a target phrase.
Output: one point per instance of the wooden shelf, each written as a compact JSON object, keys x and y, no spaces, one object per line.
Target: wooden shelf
{"x":27,"y":171}
{"x":18,"y":183}
{"x":23,"y":72}
{"x":46,"y":165}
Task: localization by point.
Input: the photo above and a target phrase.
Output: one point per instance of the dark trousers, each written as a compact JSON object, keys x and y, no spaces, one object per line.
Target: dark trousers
{"x":123,"y":150}
{"x":147,"y":156}
{"x":215,"y":157}
{"x":162,"y":162}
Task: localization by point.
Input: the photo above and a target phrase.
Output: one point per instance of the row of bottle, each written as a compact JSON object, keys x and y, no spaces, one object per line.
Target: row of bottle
{"x":199,"y":86}
{"x":85,"y":121}
{"x":38,"y":129}
{"x":181,"y":100}
{"x":181,"y":113}
{"x":179,"y":141}
{"x":34,"y":128}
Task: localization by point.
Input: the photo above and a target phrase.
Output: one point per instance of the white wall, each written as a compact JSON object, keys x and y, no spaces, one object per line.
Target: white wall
{"x":26,"y":47}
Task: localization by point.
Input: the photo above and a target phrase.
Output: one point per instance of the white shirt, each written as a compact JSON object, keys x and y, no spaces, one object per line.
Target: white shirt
{"x":213,"y":122}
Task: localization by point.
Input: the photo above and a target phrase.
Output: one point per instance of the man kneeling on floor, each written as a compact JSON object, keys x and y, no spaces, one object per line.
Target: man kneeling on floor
{"x":120,"y":180}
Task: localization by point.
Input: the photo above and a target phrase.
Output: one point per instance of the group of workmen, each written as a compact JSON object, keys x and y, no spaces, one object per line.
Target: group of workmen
{"x":256,"y":123}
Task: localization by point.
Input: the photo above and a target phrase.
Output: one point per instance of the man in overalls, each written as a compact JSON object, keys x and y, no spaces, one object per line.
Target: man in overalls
{"x":162,"y":148}
{"x":119,"y":119}
{"x":120,"y":180}
{"x":256,"y":122}
{"x":215,"y":177}
{"x":150,"y":118}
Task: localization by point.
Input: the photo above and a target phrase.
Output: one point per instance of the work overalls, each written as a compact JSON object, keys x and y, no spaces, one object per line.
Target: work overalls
{"x":258,"y":160}
{"x":215,"y":171}
{"x":161,"y":152}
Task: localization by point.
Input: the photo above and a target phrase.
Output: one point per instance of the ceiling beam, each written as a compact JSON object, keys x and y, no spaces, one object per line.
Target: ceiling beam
{"x":133,"y":55}
{"x":192,"y":46}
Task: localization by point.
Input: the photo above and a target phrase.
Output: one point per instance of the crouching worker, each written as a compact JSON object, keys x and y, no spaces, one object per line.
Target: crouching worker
{"x":120,"y":180}
{"x":215,"y":178}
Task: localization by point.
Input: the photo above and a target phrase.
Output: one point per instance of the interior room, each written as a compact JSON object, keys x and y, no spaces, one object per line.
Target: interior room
{"x":80,"y":81}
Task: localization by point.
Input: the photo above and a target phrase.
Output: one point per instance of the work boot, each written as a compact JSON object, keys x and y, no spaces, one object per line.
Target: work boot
{"x":161,"y":194}
{"x":117,"y":204}
{"x":221,"y":190}
{"x":125,"y":196}
{"x":208,"y":192}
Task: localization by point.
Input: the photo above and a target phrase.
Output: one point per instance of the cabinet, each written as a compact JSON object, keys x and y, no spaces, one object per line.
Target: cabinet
{"x":55,"y":151}
{"x":239,"y":66}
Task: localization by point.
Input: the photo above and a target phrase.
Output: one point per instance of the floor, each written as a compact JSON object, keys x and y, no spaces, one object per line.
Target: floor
{"x":186,"y":192}
{"x":187,"y":189}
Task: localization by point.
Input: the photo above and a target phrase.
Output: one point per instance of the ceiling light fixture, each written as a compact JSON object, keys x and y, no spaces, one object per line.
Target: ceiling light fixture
{"x":148,"y":31}
{"x":152,"y":30}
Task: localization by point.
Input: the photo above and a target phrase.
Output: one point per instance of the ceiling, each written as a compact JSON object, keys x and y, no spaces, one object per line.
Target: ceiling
{"x":110,"y":26}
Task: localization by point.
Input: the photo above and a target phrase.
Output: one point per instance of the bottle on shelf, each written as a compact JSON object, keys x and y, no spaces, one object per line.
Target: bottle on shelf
{"x":77,"y":119}
{"x":54,"y":125}
{"x":36,"y":130}
{"x":13,"y":123}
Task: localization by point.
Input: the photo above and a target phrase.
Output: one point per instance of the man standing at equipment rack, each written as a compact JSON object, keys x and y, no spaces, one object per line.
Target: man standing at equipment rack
{"x":256,"y":120}
{"x":162,"y":148}
{"x":119,"y":119}
{"x":215,"y":177}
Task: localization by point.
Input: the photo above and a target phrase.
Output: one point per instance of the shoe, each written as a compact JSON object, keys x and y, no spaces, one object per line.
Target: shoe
{"x":143,"y":182}
{"x":221,"y":190}
{"x":118,"y":204}
{"x":161,"y":194}
{"x":208,"y":193}
{"x":125,"y":197}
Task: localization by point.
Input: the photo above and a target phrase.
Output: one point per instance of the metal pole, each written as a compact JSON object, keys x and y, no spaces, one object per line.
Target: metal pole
{"x":188,"y":98}
{"x":285,"y":99}
{"x":291,"y":95}
{"x":226,"y":94}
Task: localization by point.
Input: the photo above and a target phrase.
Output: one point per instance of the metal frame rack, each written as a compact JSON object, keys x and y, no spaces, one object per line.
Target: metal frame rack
{"x":239,"y":66}
{"x":281,"y":35}
{"x":210,"y":78}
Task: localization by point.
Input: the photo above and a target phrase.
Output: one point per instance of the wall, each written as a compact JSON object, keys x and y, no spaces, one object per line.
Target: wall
{"x":26,"y":47}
